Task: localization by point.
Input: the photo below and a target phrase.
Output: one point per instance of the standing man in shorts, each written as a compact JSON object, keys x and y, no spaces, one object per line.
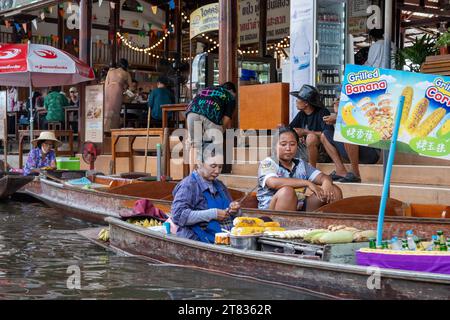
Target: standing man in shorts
{"x":209,"y":114}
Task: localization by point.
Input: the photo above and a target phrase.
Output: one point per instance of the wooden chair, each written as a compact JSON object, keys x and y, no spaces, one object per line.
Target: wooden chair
{"x":54,"y":125}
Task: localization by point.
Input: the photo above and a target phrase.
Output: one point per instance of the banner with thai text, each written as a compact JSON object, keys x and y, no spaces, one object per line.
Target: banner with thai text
{"x":369,"y":101}
{"x":278,"y":20}
{"x":204,"y":19}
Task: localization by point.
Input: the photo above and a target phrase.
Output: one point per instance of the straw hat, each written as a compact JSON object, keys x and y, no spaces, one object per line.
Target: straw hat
{"x":45,"y":136}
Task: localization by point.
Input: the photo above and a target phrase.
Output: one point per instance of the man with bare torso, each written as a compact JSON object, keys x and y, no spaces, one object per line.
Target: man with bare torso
{"x":117,"y":81}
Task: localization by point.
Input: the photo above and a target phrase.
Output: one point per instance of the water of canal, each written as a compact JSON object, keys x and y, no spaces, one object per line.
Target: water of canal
{"x":39,"y":248}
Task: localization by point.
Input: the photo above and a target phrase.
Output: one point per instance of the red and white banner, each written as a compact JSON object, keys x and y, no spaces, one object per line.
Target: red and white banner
{"x":43,"y":65}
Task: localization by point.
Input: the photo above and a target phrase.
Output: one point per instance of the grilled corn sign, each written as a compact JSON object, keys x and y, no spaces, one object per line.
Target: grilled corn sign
{"x":369,"y":101}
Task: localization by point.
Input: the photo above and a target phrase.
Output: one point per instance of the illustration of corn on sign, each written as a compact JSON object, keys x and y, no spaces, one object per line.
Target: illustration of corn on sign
{"x":369,"y":101}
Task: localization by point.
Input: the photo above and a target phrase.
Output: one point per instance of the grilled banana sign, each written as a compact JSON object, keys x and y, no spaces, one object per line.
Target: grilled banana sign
{"x":369,"y":101}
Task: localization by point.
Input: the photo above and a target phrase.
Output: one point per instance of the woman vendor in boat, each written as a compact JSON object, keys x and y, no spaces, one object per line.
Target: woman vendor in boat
{"x":287,"y":183}
{"x":202,"y":205}
{"x":42,"y":155}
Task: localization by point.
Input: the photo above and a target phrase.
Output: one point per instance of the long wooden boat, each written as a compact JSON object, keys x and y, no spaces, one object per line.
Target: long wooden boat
{"x":340,"y":280}
{"x":10,"y":183}
{"x":109,"y":197}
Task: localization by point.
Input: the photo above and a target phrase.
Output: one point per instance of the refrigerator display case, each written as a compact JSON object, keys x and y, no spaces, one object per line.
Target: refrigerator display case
{"x":317,"y":55}
{"x":330,"y":48}
{"x":205,"y":70}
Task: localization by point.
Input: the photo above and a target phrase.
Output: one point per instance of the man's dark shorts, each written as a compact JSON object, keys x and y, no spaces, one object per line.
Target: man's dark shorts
{"x":367,"y":155}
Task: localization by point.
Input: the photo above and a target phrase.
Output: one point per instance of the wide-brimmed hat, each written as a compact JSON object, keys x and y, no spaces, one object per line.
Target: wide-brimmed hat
{"x":308,"y":94}
{"x":46,"y":136}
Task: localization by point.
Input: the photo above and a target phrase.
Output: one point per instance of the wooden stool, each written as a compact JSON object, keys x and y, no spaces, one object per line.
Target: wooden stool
{"x":54,"y":125}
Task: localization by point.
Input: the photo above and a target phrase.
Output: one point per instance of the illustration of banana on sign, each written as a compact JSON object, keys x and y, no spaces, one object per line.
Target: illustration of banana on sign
{"x":369,"y":100}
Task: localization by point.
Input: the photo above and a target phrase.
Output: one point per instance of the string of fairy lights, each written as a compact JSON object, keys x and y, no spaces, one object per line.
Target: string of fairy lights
{"x":185,"y":17}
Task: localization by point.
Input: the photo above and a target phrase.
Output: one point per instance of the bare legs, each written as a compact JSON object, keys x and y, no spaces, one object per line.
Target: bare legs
{"x":334,"y":155}
{"x":312,"y":144}
{"x":285,"y":199}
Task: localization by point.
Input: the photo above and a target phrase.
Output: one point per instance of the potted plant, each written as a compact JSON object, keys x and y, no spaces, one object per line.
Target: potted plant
{"x":443,"y":42}
{"x":414,"y":56}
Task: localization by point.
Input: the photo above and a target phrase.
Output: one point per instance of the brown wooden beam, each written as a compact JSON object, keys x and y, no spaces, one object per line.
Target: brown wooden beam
{"x":60,"y":28}
{"x":228,"y":37}
{"x":428,"y":10}
{"x":423,"y":22}
{"x":228,"y":34}
{"x":262,"y":28}
{"x":114,"y":20}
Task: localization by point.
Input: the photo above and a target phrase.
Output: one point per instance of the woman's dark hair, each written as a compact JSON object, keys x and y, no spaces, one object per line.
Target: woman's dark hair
{"x":123,"y":63}
{"x":377,"y":34}
{"x":164,"y":80}
{"x":278,"y":133}
{"x":229,"y":86}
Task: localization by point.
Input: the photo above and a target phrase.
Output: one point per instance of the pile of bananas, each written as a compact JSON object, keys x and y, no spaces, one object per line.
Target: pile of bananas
{"x":145,"y":223}
{"x":103,"y":234}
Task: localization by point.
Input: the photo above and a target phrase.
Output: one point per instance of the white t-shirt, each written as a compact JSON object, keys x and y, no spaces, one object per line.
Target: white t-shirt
{"x":376,"y":56}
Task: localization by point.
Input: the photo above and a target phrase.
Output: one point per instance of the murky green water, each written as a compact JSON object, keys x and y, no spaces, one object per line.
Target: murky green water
{"x":38,"y":245}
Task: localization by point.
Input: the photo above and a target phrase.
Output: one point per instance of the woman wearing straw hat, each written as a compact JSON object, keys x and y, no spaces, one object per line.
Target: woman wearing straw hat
{"x":42,"y":155}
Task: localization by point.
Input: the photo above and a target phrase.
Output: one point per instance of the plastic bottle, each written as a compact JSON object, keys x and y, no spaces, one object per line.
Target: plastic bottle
{"x":410,"y":239}
{"x":405,"y":244}
{"x":396,"y":244}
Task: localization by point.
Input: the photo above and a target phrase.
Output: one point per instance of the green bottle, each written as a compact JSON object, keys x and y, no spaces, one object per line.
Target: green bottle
{"x":372,"y":244}
{"x":437,"y":246}
{"x":384,"y":245}
{"x":441,"y":237}
{"x":405,"y":244}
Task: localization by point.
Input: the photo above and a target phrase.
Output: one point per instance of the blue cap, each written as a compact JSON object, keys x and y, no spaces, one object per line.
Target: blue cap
{"x":434,"y":237}
{"x":409,"y":232}
{"x":394,"y":239}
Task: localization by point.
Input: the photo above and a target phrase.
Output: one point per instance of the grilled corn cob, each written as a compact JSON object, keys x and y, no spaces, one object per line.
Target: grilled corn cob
{"x":430,"y":123}
{"x":417,"y":114}
{"x":408,"y":94}
{"x":445,"y":129}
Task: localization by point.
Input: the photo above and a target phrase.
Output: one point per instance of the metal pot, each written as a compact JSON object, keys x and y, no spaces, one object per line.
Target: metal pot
{"x":244,"y":242}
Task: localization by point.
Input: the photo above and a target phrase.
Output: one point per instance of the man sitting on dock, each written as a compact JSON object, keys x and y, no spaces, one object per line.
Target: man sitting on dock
{"x":285,"y":183}
{"x":309,"y":124}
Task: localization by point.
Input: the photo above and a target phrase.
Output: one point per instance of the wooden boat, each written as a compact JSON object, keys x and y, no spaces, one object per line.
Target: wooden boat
{"x":10,"y":183}
{"x":109,"y":197}
{"x":340,"y":280}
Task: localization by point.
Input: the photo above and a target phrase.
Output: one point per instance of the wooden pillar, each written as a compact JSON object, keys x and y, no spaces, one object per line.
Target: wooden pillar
{"x":114,"y":20}
{"x":262,"y":28}
{"x":167,"y":23}
{"x":178,"y":25}
{"x":85,"y":56}
{"x":228,"y":34}
{"x":85,"y":30}
{"x":60,"y":28}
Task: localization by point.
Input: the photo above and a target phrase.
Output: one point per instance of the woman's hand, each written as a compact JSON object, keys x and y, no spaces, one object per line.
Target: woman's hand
{"x":234,"y":208}
{"x":222,"y":214}
{"x":317,"y":191}
{"x":328,"y":191}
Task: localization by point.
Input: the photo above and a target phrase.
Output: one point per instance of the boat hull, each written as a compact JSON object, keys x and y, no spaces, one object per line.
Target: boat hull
{"x":342,"y":281}
{"x":9,"y":184}
{"x":94,"y":206}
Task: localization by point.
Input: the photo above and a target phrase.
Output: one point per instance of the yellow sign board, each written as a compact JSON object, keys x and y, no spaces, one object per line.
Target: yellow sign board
{"x":204,"y":19}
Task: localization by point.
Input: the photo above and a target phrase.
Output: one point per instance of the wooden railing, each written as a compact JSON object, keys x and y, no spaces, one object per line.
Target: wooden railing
{"x":101,"y":52}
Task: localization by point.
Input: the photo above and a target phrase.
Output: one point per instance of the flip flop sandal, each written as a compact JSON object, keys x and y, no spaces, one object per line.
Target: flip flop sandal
{"x":335,"y":177}
{"x":350,"y":178}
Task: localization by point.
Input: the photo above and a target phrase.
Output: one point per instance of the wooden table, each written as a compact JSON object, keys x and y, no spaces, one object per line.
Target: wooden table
{"x":131,"y":134}
{"x":67,"y":112}
{"x":166,"y":108}
{"x":36,"y":133}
